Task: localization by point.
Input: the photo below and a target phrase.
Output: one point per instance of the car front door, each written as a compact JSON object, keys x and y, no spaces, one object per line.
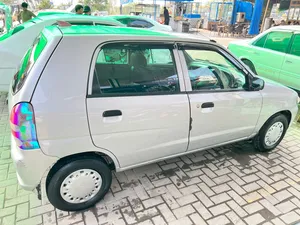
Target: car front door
{"x":268,"y":53}
{"x":222,"y":109}
{"x":134,"y":110}
{"x":290,"y":74}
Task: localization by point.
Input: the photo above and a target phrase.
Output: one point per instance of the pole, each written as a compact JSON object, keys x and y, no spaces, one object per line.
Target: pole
{"x":154,"y":16}
{"x":264,"y":18}
{"x":288,"y":15}
{"x":233,"y":13}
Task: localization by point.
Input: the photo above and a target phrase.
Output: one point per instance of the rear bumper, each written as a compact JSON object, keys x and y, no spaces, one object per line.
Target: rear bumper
{"x":31,"y":166}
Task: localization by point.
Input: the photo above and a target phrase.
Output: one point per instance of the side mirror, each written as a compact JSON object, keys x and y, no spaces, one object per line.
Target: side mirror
{"x":257,"y":84}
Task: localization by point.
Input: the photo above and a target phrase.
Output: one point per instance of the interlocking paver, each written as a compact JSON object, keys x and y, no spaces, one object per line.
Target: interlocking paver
{"x":255,"y":219}
{"x":286,"y":207}
{"x":183,"y":211}
{"x":226,"y":185}
{"x":220,"y":220}
{"x":219,"y":209}
{"x":290,"y":217}
{"x":253,"y":207}
{"x":166,"y":213}
{"x":234,"y":218}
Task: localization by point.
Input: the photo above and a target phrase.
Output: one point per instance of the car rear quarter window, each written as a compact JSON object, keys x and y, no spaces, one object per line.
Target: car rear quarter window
{"x":140,"y":23}
{"x":278,"y":41}
{"x":124,"y":21}
{"x":28,"y":61}
{"x":295,"y":49}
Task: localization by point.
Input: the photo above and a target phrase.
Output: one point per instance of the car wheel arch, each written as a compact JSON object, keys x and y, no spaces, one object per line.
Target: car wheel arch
{"x":286,"y":113}
{"x":64,"y":160}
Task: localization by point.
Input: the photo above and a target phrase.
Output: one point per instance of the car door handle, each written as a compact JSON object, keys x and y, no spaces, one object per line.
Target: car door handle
{"x":111,"y":113}
{"x":288,"y":61}
{"x":207,"y":105}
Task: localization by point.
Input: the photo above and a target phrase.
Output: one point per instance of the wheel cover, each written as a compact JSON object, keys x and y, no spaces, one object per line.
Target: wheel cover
{"x":274,"y":133}
{"x":80,"y":186}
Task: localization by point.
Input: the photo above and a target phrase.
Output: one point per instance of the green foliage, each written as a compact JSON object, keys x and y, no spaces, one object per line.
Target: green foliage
{"x":7,"y":2}
{"x":45,"y":4}
{"x":96,"y":5}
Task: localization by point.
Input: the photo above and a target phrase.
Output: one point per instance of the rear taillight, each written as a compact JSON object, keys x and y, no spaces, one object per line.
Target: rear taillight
{"x":23,"y":127}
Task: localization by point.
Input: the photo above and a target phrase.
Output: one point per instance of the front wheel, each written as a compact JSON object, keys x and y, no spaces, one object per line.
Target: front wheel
{"x":271,"y":134}
{"x":79,"y":184}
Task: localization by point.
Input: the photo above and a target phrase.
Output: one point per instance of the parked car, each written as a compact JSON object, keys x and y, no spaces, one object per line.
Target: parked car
{"x":127,"y":98}
{"x":51,"y":12}
{"x":274,"y":54}
{"x":14,"y":44}
{"x":141,"y":22}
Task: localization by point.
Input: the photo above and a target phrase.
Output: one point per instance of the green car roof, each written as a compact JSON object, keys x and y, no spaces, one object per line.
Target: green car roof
{"x":47,"y":13}
{"x":99,"y":30}
{"x":61,"y":16}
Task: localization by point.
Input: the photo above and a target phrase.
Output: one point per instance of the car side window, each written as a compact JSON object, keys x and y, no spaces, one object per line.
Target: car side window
{"x":261,"y":41}
{"x":295,"y":49}
{"x":278,"y":41}
{"x":140,"y":23}
{"x":126,"y":69}
{"x":210,"y":70}
{"x":125,"y":21}
{"x":159,"y":56}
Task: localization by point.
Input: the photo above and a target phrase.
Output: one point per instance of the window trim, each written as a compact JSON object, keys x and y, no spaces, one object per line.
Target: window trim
{"x":254,"y":42}
{"x":227,"y":55}
{"x":291,"y":44}
{"x":176,"y":62}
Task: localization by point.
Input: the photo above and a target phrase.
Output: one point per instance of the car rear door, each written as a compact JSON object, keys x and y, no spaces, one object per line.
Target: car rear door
{"x":134,"y":110}
{"x":290,"y":74}
{"x":268,"y":53}
{"x":222,"y":109}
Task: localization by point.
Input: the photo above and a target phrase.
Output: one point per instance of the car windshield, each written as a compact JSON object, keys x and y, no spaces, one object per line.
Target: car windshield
{"x":19,"y":28}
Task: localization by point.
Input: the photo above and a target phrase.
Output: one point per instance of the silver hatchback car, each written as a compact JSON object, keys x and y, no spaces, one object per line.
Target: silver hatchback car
{"x":86,"y":101}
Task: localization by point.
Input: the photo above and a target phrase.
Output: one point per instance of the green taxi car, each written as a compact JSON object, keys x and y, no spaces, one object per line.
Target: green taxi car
{"x":274,"y":54}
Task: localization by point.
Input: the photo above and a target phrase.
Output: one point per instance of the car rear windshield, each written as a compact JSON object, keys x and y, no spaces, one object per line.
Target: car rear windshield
{"x":19,"y":28}
{"x":28,"y":61}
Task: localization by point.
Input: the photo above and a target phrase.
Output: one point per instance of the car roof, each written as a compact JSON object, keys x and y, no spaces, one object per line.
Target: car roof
{"x":132,"y":17}
{"x":124,"y":31}
{"x":287,"y":28}
{"x":77,"y":17}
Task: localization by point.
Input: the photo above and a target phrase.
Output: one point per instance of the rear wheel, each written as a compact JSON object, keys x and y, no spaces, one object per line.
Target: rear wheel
{"x":271,"y":134}
{"x":250,"y":65}
{"x":79,"y":184}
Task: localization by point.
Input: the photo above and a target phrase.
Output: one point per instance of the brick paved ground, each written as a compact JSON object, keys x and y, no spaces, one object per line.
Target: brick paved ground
{"x":228,"y":185}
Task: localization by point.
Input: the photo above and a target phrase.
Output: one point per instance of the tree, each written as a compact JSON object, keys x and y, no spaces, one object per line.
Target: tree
{"x":45,"y":4}
{"x":96,"y":5}
{"x":7,"y":2}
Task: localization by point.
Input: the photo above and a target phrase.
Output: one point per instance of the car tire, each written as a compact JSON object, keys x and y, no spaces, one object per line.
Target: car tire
{"x":79,"y":184}
{"x":271,"y":134}
{"x":250,"y":65}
